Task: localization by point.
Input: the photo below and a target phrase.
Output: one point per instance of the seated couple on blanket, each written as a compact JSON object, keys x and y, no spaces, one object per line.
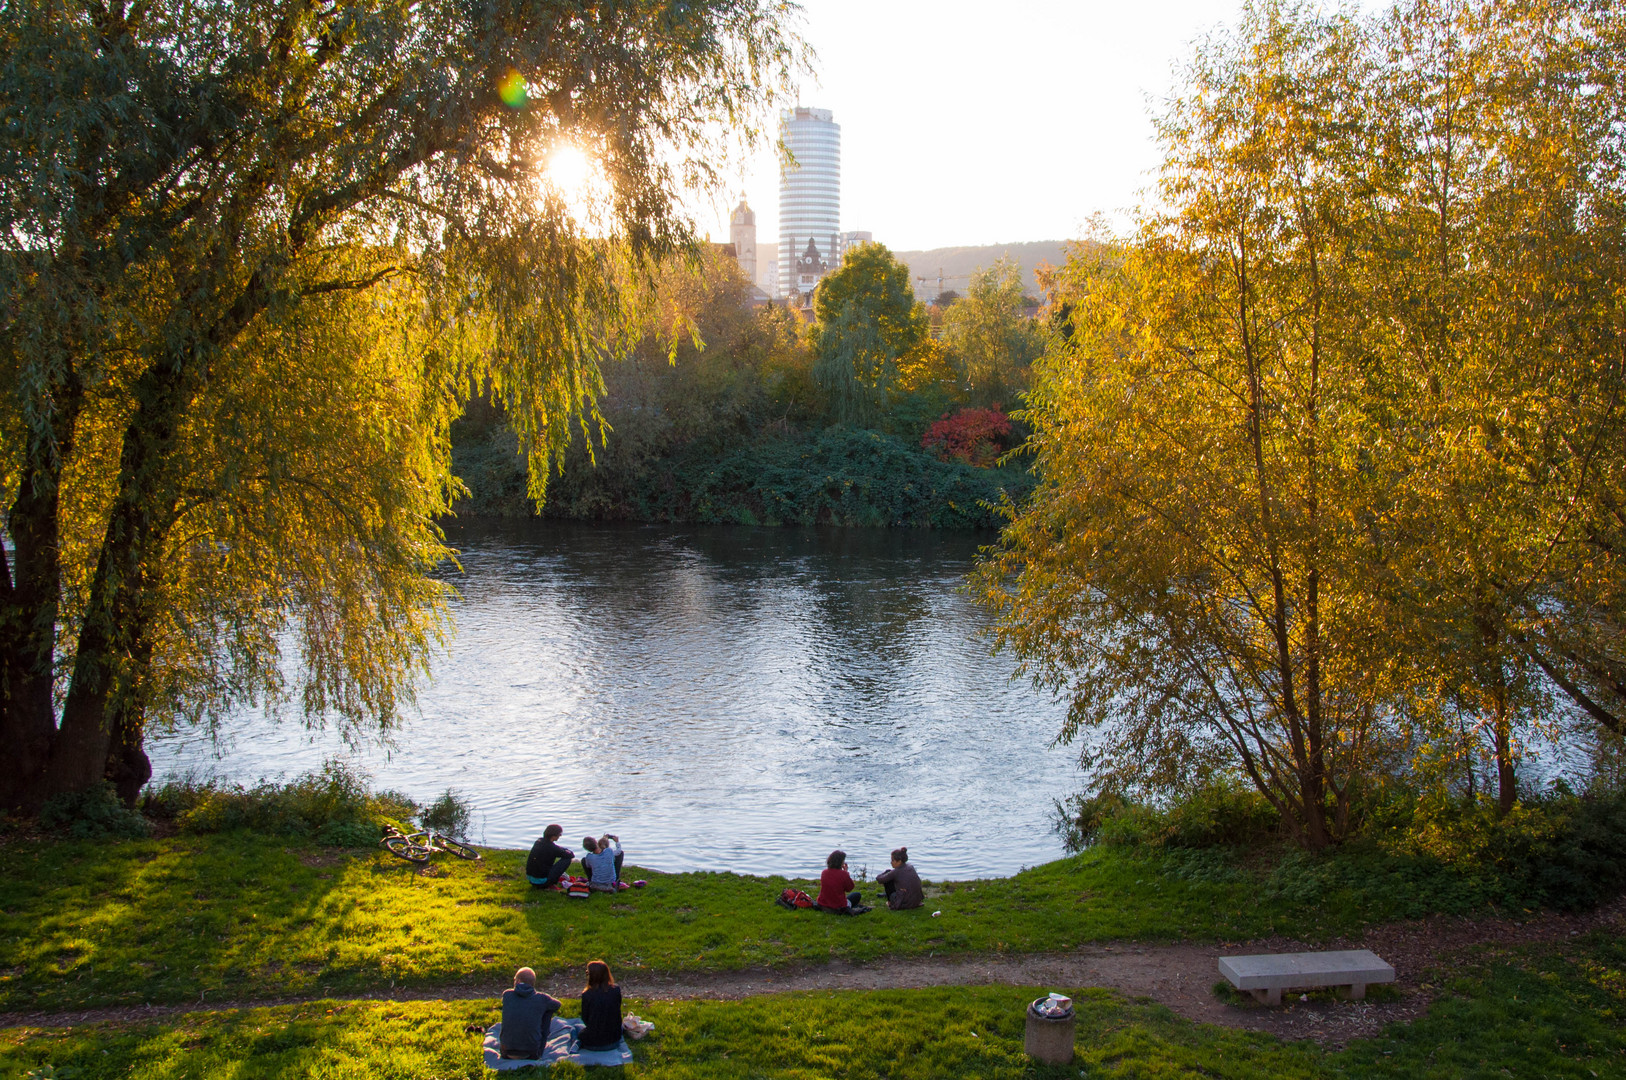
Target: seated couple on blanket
{"x":901,"y":883}
{"x":527,"y":1014}
{"x":548,"y":861}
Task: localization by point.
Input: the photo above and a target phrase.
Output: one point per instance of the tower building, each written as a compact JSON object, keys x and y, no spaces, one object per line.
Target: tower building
{"x":809,"y":199}
{"x":742,"y":233}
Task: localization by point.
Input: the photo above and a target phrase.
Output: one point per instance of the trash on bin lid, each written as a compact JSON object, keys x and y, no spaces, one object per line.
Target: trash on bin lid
{"x":1054,"y":1007}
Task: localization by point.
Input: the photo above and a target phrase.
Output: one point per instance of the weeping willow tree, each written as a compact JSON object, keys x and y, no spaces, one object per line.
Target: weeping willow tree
{"x":256,"y":255}
{"x":867,"y":319}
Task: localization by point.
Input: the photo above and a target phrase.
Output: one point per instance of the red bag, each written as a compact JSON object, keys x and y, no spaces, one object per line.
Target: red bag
{"x":793,"y":899}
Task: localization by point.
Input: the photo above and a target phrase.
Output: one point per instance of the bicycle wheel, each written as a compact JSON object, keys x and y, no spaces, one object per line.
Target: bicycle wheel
{"x":462,"y":851}
{"x":402,"y":848}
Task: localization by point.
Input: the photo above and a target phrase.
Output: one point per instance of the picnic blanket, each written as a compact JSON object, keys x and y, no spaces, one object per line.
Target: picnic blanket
{"x":562,"y":1046}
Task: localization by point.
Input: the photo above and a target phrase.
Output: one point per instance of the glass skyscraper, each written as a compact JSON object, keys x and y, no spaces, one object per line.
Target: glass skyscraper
{"x":809,"y":199}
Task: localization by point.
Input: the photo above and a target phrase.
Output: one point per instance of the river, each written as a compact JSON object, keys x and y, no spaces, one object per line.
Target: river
{"x":722,"y":698}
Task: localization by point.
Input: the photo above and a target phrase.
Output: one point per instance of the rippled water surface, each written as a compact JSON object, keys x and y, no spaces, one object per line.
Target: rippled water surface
{"x":721,"y":698}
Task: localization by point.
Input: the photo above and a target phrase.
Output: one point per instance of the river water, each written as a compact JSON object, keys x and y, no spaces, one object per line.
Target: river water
{"x":722,"y":698}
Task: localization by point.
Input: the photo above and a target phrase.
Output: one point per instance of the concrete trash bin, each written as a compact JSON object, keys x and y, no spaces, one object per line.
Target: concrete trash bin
{"x":1049,"y":1039}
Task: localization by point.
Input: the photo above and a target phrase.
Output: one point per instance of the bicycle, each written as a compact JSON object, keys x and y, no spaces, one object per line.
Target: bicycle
{"x":417,"y":847}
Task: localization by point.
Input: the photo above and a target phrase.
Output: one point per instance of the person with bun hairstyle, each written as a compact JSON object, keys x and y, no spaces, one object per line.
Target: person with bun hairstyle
{"x":835,"y":885}
{"x":901,"y":883}
{"x":601,"y":1009}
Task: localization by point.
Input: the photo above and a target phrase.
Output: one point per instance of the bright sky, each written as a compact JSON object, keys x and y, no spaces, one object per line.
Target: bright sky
{"x":976,"y":123}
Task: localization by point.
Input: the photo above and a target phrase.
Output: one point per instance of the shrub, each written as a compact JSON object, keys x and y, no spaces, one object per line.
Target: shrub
{"x":448,"y":814}
{"x":333,"y":805}
{"x":973,"y":436}
{"x":94,"y":814}
{"x":1218,"y":814}
{"x":1555,"y":850}
{"x":837,"y":476}
{"x":1080,"y":817}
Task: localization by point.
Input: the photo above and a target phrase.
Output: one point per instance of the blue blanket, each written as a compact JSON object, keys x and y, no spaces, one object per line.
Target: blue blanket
{"x":562,"y":1046}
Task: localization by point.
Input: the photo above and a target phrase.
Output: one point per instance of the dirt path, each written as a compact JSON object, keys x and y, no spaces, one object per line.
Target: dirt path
{"x":1179,"y":976}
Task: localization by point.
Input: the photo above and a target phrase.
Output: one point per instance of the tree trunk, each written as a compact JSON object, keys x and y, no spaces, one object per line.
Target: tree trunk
{"x":29,"y":609}
{"x":128,"y":767}
{"x":28,"y":638}
{"x":1507,"y":787}
{"x":102,"y":720}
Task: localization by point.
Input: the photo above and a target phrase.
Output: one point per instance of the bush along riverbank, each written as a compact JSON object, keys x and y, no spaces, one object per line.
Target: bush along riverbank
{"x":836,"y":476}
{"x":1413,"y":855}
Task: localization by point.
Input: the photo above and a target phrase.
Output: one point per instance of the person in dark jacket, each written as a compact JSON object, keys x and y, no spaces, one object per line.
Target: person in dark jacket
{"x":527,"y":1014}
{"x":548,"y":861}
{"x":901,"y":883}
{"x":601,"y":1009}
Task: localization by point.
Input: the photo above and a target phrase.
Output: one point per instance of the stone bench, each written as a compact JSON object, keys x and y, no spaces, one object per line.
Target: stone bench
{"x":1267,"y":976}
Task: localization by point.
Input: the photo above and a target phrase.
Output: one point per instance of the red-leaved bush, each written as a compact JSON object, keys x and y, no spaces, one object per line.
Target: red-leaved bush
{"x":974,"y":436}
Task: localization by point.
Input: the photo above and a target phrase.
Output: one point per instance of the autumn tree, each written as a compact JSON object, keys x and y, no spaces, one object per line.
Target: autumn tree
{"x":991,"y":336}
{"x":256,"y":255}
{"x":1497,"y":272}
{"x":1332,"y":448}
{"x":1190,"y":571}
{"x":867,"y":318}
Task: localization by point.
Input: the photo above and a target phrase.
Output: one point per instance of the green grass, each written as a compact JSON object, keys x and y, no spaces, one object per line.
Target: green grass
{"x":238,"y":915}
{"x":1541,"y":1014}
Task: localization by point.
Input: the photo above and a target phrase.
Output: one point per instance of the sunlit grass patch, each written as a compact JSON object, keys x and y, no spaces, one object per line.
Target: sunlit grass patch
{"x":243,"y":915}
{"x":240,"y":915}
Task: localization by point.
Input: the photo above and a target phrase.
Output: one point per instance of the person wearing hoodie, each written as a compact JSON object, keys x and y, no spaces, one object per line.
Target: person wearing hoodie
{"x":527,"y":1014}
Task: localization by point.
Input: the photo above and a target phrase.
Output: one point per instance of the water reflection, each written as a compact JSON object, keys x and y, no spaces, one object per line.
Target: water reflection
{"x":720,"y":697}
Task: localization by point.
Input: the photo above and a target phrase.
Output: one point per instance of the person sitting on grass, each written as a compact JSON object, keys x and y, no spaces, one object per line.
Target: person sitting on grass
{"x":548,"y":861}
{"x":602,"y":866}
{"x":835,"y":885}
{"x":601,"y":1010}
{"x":527,"y":1014}
{"x":901,"y":883}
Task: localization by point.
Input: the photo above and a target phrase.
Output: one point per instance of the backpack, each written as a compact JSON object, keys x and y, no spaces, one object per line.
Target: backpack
{"x":793,"y":899}
{"x":578,"y":890}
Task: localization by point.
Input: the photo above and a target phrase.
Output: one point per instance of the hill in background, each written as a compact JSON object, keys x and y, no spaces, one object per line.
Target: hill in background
{"x":957,"y":264}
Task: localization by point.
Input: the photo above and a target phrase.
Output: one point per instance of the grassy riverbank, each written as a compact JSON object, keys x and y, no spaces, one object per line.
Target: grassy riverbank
{"x":1531,"y":1013}
{"x":241,"y":915}
{"x":237,"y":914}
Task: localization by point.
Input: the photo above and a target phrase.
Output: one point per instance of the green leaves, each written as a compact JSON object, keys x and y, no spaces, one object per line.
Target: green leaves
{"x":867,"y":320}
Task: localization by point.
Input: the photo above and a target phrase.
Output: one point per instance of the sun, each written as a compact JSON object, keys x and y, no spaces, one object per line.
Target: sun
{"x":569,"y":171}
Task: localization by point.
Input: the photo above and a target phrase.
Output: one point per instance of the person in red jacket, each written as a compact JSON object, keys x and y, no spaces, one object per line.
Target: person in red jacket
{"x":835,"y":884}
